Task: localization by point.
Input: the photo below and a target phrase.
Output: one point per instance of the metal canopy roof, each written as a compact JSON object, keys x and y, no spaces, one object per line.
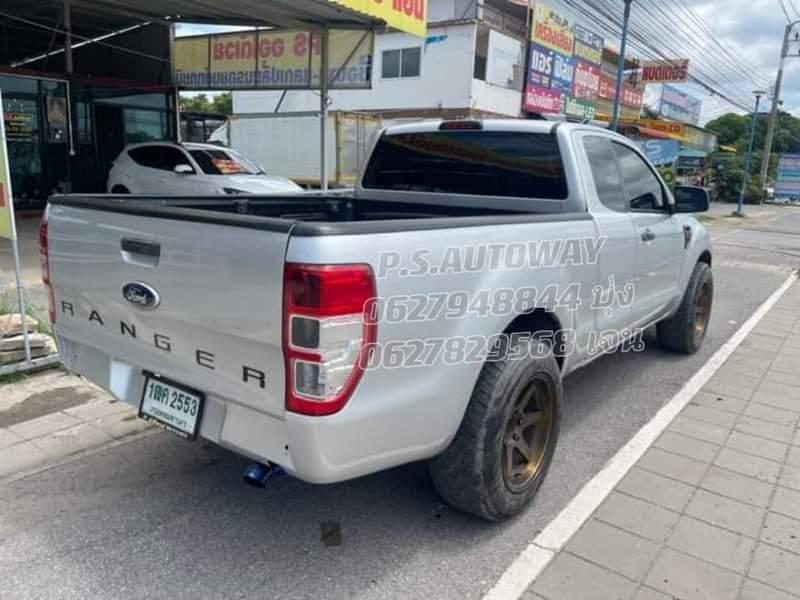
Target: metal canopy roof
{"x":30,"y":28}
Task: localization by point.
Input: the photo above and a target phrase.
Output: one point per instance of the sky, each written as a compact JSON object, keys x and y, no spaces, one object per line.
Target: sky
{"x":754,"y":27}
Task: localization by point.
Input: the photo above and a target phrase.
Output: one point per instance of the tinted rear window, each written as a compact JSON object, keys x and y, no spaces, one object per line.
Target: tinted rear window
{"x":485,"y":163}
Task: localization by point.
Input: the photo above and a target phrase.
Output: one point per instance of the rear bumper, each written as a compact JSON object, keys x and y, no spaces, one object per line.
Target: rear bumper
{"x":314,"y":449}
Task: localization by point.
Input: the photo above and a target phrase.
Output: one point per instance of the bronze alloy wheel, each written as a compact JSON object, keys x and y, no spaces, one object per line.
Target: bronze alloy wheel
{"x":702,"y":311}
{"x":528,"y":433}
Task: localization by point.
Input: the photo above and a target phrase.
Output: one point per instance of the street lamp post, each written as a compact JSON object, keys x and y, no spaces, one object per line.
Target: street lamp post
{"x":739,"y":210}
{"x":621,"y":64}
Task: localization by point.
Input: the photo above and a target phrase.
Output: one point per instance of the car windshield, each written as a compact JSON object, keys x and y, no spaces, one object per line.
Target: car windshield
{"x":223,"y":162}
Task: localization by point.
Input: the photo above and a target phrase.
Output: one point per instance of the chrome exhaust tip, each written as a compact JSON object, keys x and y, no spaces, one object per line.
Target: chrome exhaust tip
{"x":257,"y":474}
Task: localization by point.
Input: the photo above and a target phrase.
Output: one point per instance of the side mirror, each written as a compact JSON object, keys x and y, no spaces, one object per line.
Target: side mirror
{"x":690,"y":199}
{"x":183,"y":170}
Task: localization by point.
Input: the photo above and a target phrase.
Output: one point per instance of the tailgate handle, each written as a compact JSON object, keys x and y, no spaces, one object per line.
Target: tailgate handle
{"x":150,"y":249}
{"x":140,"y":252}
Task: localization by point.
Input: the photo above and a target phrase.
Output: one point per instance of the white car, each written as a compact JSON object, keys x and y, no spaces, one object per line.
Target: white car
{"x":190,"y":169}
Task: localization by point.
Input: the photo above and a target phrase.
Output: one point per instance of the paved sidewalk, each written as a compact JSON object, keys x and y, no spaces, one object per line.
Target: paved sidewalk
{"x":712,"y":509}
{"x":94,"y":421}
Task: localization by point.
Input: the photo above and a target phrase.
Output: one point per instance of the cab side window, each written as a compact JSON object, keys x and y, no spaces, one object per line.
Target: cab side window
{"x":643,"y":191}
{"x":605,"y":172}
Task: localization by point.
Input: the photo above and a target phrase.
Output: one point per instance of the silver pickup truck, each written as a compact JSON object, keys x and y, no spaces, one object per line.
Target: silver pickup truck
{"x":430,"y":314}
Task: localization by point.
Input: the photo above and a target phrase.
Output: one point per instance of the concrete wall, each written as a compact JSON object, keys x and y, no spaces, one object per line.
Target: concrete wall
{"x":495,"y":99}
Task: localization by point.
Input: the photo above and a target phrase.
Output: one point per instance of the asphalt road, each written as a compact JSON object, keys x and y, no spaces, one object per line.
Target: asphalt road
{"x":160,"y":518}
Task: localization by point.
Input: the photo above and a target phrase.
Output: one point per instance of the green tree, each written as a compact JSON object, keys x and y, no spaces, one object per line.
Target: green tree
{"x":730,"y":128}
{"x":219,"y":103}
{"x":734,"y":130}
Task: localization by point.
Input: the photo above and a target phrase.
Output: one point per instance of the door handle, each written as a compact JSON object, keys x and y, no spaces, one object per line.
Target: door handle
{"x":140,"y":252}
{"x":648,"y":236}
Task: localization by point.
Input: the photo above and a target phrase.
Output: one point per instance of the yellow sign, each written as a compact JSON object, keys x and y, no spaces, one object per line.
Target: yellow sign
{"x":270,"y":59}
{"x":552,"y":30}
{"x":7,"y":229}
{"x":672,"y":129}
{"x":410,"y":16}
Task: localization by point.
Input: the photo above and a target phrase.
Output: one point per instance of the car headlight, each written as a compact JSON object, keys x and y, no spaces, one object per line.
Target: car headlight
{"x":228,"y":190}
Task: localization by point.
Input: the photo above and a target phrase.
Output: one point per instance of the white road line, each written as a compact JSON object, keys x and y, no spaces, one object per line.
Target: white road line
{"x":536,"y":556}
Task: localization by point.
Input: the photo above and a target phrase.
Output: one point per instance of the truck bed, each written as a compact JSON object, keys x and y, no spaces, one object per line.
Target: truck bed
{"x":310,"y":214}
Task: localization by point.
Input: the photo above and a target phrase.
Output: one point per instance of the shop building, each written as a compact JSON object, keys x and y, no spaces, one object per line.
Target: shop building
{"x":67,"y":118}
{"x":471,"y":63}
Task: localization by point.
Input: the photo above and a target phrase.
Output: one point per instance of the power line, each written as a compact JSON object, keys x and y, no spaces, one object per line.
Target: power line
{"x":726,"y":75}
{"x":785,"y":12}
{"x":650,"y":43}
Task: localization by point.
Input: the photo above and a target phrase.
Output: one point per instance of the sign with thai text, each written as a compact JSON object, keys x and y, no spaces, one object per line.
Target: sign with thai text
{"x":542,"y":100}
{"x":588,"y":45}
{"x":676,"y":71}
{"x":270,"y":59}
{"x":551,"y":30}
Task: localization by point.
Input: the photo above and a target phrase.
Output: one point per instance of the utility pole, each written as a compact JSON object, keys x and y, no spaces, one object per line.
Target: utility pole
{"x":773,"y":114}
{"x":621,"y":64}
{"x":739,"y":212}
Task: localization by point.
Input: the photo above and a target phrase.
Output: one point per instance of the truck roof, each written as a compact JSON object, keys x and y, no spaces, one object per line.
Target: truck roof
{"x":522,"y":125}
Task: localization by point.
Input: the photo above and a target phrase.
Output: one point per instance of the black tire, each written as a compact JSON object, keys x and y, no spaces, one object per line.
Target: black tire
{"x":120,"y":189}
{"x":685,"y":330}
{"x":472,"y":473}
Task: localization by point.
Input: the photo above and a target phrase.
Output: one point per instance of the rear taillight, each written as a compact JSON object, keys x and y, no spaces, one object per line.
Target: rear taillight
{"x":44,"y":257}
{"x":326,"y":334}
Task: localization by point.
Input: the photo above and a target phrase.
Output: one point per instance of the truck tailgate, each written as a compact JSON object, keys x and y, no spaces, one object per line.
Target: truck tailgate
{"x":217,"y":323}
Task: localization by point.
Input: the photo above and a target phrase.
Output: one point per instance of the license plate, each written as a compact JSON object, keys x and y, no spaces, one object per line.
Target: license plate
{"x":171,"y":406}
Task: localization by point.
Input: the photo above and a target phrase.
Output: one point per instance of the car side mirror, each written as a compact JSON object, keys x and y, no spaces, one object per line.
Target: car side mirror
{"x":690,"y":199}
{"x":183,"y":170}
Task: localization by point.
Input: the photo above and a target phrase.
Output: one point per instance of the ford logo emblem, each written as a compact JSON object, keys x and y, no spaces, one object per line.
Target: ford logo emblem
{"x":141,"y":295}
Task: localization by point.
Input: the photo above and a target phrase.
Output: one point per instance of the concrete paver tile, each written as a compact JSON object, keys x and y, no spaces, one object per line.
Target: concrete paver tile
{"x":726,"y":512}
{"x":783,"y":531}
{"x":69,"y":441}
{"x":656,"y":489}
{"x":98,"y":409}
{"x":765,"y":429}
{"x":739,"y":386}
{"x":689,"y":578}
{"x":610,"y":547}
{"x":9,"y":438}
{"x":571,"y":578}
{"x":650,"y":594}
{"x":790,"y":477}
{"x":753,"y":590}
{"x":770,"y":413}
{"x":720,"y":402}
{"x":677,"y":467}
{"x":699,"y":429}
{"x":776,"y":567}
{"x":120,"y":424}
{"x":747,"y":464}
{"x":786,"y":502}
{"x":736,"y":486}
{"x":785,"y":378}
{"x":637,"y":516}
{"x":752,"y":367}
{"x":678,"y":443}
{"x":44,"y":425}
{"x":720,"y":418}
{"x":20,"y":457}
{"x":757,"y":446}
{"x":712,"y":544}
